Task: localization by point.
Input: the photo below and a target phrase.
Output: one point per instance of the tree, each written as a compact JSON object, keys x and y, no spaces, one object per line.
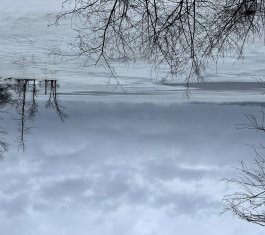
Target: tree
{"x":184,"y":34}
{"x":26,"y":104}
{"x":22,"y":95}
{"x":53,"y":102}
{"x":249,"y":202}
{"x":5,"y":98}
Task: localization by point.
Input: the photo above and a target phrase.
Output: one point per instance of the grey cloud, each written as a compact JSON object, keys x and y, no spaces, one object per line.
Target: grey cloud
{"x":150,"y":129}
{"x":109,"y":156}
{"x":67,"y":187}
{"x":187,"y":203}
{"x":107,"y":187}
{"x":16,"y":205}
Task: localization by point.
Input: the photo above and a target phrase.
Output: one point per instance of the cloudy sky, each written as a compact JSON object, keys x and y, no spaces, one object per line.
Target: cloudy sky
{"x":113,"y":167}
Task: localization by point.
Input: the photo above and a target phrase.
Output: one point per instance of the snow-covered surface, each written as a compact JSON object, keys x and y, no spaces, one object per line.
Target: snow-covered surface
{"x":28,"y":47}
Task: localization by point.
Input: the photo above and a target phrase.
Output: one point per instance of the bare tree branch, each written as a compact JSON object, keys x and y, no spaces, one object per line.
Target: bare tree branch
{"x":248,"y":203}
{"x":183,"y":34}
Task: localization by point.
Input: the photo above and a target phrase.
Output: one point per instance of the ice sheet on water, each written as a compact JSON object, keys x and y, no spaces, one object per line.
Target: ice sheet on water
{"x":27,"y":47}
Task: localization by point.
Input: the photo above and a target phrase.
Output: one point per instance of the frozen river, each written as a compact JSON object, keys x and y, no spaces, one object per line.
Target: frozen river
{"x":29,"y":49}
{"x":146,"y":157}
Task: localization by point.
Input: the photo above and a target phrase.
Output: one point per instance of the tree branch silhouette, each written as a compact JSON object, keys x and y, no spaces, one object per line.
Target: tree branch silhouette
{"x":248,"y":203}
{"x":183,"y":34}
